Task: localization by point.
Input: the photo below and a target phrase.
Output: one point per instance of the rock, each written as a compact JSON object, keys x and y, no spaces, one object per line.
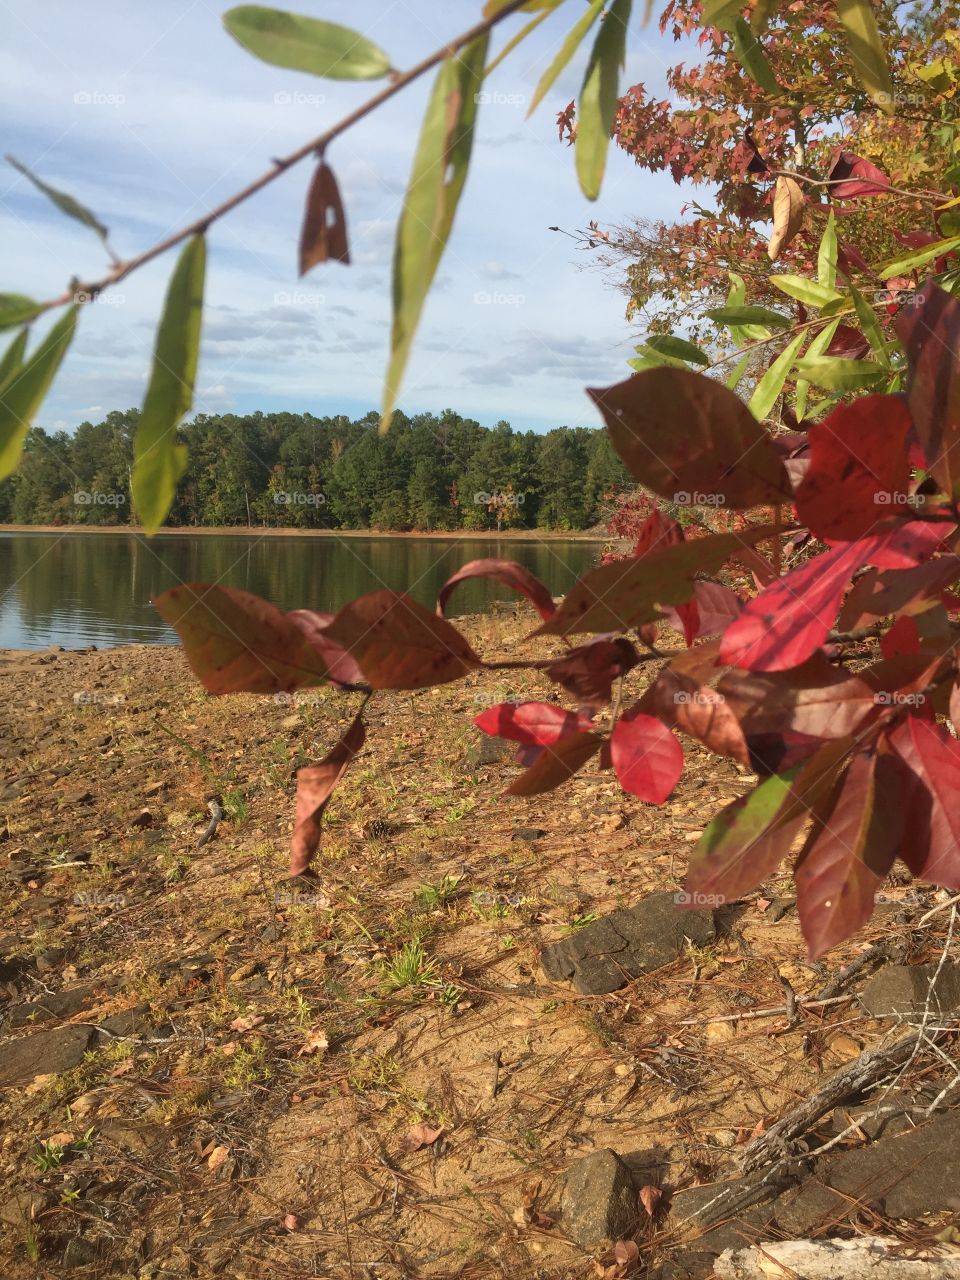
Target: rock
{"x":527,"y":834}
{"x":48,"y":961}
{"x":44,"y":1053}
{"x":154,"y":788}
{"x":486,"y":751}
{"x":903,"y":989}
{"x":82,"y":796}
{"x":24,"y":1206}
{"x":79,"y":1253}
{"x":600,"y":1202}
{"x":620,"y":946}
{"x":57,"y":1007}
{"x":143,"y":819}
{"x":128,"y":1022}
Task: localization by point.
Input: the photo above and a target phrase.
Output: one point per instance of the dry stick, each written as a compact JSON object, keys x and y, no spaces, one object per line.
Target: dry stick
{"x":801,"y":1007}
{"x":316,"y":145}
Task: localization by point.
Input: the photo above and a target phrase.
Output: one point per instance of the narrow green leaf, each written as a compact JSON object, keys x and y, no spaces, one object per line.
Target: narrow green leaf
{"x":752,"y":58}
{"x":735,"y":378}
{"x":64,"y":202}
{"x":816,"y":348}
{"x":866,"y":49}
{"x":919,"y":257}
{"x":430,"y":204}
{"x":870,"y":327}
{"x":16,"y":309}
{"x":809,"y":292}
{"x":763,"y":11}
{"x":749,"y":315}
{"x":516,"y":39}
{"x":305,"y":44}
{"x":836,"y":374}
{"x":597,"y":104}
{"x":569,"y":47}
{"x":23,"y":393}
{"x":12,"y":358}
{"x":771,"y":384}
{"x":721,"y":13}
{"x":159,"y":461}
{"x":736,"y":297}
{"x":827,"y":256}
{"x":669,"y":345}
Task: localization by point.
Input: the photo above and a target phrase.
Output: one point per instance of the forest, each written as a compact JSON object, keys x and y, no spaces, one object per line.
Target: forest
{"x":431,"y":472}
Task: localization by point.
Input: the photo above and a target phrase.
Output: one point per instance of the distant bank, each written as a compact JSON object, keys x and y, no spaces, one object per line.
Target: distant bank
{"x":507,"y":535}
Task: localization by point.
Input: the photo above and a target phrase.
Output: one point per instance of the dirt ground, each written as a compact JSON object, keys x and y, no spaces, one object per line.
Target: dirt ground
{"x":251,"y":1108}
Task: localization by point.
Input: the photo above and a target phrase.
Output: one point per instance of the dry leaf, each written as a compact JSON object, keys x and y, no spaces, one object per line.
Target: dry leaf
{"x":626,"y":1252}
{"x":217,"y":1158}
{"x":316,"y":1042}
{"x":324,"y":233}
{"x":122,"y":1068}
{"x":291,"y":1222}
{"x":230,"y":1048}
{"x":247,"y":1022}
{"x":787,"y":215}
{"x":650,"y":1198}
{"x":421,"y":1135}
{"x":762,"y":904}
{"x":60,"y":1139}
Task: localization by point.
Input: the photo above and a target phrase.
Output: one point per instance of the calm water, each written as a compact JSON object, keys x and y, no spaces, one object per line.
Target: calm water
{"x":81,"y":589}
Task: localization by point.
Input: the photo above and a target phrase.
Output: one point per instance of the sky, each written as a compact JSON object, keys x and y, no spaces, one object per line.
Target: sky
{"x":150,"y":114}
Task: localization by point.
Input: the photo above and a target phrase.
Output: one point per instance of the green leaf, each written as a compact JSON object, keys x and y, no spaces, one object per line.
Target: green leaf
{"x":569,"y":47}
{"x":12,"y":358}
{"x":306,"y":44}
{"x":771,"y":384}
{"x":919,"y":257}
{"x":809,"y":292}
{"x":736,"y":377}
{"x":866,"y":49}
{"x":827,"y":256}
{"x":64,"y":202}
{"x":763,"y":11}
{"x":736,"y":297}
{"x":870,"y":327}
{"x":23,"y":393}
{"x":836,"y":374}
{"x":519,"y":38}
{"x":722,"y":13}
{"x":669,"y":345}
{"x":159,"y":461}
{"x":749,"y":315}
{"x":597,"y":104}
{"x":430,"y":204}
{"x":750,"y":53}
{"x":816,"y":348}
{"x":16,"y":309}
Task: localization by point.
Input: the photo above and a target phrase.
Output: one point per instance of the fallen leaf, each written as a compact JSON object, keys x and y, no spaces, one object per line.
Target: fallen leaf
{"x":762,"y":904}
{"x":217,"y":1158}
{"x":421,"y":1135}
{"x":650,"y":1198}
{"x":291,"y":1222}
{"x":626,"y":1252}
{"x":247,"y":1022}
{"x":316,"y":1042}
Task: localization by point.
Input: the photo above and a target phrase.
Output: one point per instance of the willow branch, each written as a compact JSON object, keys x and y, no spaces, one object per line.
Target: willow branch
{"x":121,"y":270}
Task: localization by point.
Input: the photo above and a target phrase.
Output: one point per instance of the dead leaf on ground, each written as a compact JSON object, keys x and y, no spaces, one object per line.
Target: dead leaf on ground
{"x":247,"y":1022}
{"x":316,"y":1042}
{"x":421,"y":1135}
{"x":217,"y":1158}
{"x":650,"y":1197}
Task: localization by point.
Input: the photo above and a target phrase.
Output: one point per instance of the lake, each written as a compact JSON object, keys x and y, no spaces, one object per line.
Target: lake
{"x":80,"y":589}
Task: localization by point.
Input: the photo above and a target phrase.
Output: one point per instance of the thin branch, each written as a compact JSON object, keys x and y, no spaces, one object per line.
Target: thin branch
{"x":122,"y":269}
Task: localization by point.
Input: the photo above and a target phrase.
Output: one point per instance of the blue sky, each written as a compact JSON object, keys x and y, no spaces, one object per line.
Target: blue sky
{"x":150,"y":114}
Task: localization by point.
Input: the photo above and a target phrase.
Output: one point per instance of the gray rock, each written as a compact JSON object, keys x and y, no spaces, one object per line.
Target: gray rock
{"x":527,"y":834}
{"x":612,"y":951}
{"x":600,"y":1202}
{"x":43,"y":1053}
{"x":486,"y":751}
{"x":903,"y":989}
{"x":53,"y":1008}
{"x":79,"y":1253}
{"x":24,"y":1206}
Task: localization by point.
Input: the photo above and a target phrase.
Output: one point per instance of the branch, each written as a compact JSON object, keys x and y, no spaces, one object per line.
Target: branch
{"x":316,"y":146}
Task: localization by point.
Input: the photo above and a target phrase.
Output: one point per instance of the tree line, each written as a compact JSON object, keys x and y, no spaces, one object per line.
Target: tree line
{"x":428,"y":473}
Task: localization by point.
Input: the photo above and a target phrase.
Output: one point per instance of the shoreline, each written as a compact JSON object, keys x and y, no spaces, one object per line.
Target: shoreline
{"x":254,"y":531}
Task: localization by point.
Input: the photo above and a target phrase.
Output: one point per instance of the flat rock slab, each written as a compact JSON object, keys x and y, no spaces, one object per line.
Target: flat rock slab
{"x":605,"y":955}
{"x":600,"y":1201}
{"x":44,"y":1053}
{"x":904,"y":989}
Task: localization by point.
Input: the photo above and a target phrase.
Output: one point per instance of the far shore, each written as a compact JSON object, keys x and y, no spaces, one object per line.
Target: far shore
{"x":250,"y":531}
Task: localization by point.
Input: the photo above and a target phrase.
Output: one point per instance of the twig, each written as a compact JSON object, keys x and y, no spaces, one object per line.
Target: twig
{"x":941,"y":906}
{"x":495,"y":1081}
{"x":801,"y":1005}
{"x":122,"y":269}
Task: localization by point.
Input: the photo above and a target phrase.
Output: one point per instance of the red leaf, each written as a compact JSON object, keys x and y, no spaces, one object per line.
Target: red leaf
{"x":235,"y":641}
{"x":718,"y":606}
{"x":722,"y":455}
{"x":538,"y":724}
{"x":854,"y":177}
{"x":343,"y":668}
{"x":929,"y":328}
{"x":556,"y":765}
{"x":511,"y":575}
{"x":902,"y":638}
{"x":657,"y":531}
{"x":688,"y":615}
{"x":791,"y":618}
{"x":315,"y":785}
{"x":849,"y":343}
{"x":400,"y":645}
{"x":932,"y":800}
{"x":588,"y":671}
{"x":697,"y":710}
{"x":858,"y":473}
{"x":646,"y":756}
{"x":850,"y":851}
